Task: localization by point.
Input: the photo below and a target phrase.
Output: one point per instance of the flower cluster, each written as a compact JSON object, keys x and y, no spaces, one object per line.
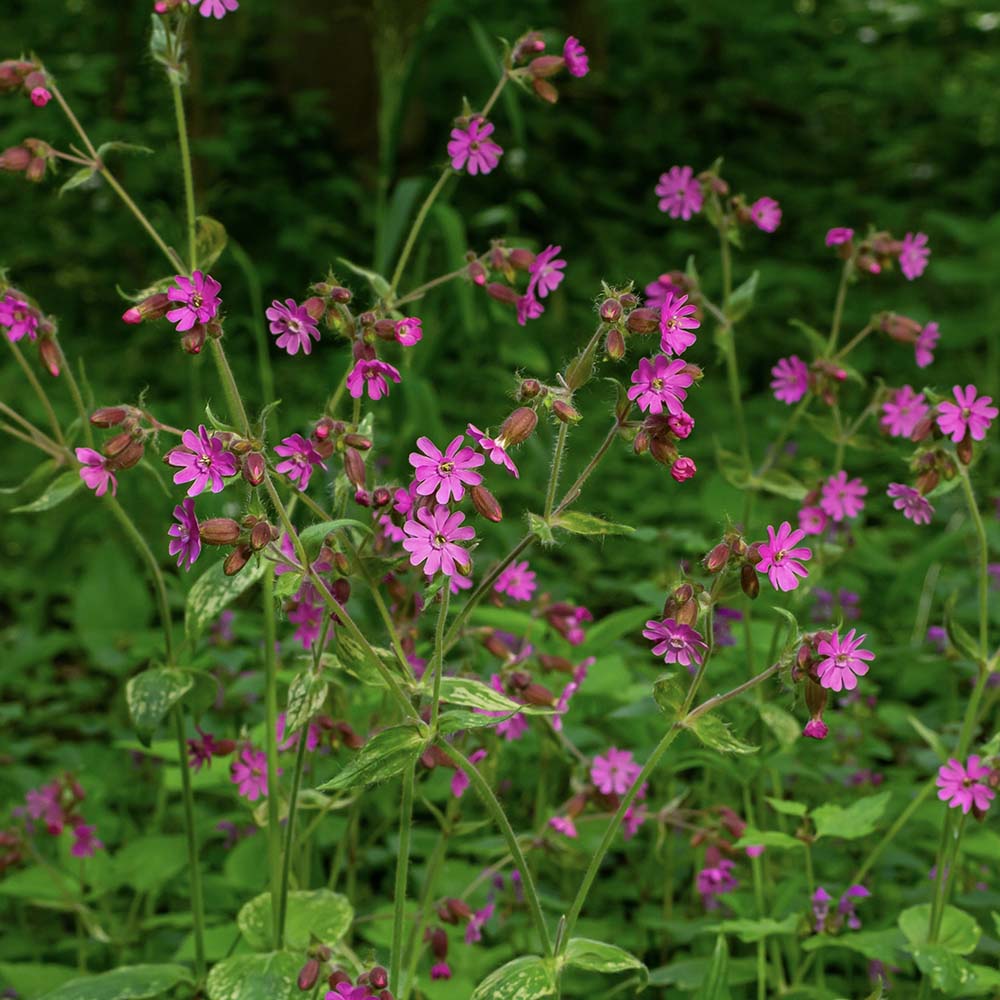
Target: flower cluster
{"x":682,"y":194}
{"x":27,"y":77}
{"x":55,"y":807}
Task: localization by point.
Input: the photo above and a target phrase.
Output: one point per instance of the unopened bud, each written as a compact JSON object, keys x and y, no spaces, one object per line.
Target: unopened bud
{"x":529,"y":389}
{"x":385,"y":329}
{"x":378,"y":978}
{"x":261,"y":534}
{"x":518,"y":427}
{"x":339,"y":294}
{"x":926,"y":481}
{"x":546,"y":66}
{"x":362,"y":498}
{"x":643,"y":321}
{"x":663,"y":451}
{"x":492,"y":642}
{"x":640,"y":445}
{"x":354,"y":467}
{"x":683,"y":469}
{"x":130,"y":455}
{"x":545,"y":90}
{"x":308,"y":975}
{"x":220,"y":531}
{"x":610,"y":310}
{"x":15,"y":159}
{"x":815,"y":697}
{"x":337,"y":977}
{"x":536,"y":694}
{"x":152,"y":307}
{"x":686,"y":613}
{"x":476,"y":272}
{"x":502,"y":293}
{"x":315,"y":307}
{"x":557,"y":663}
{"x":614,"y":344}
{"x":381,"y":497}
{"x":520,"y":258}
{"x":566,"y":412}
{"x":358,"y":441}
{"x":901,"y":328}
{"x":254,"y":468}
{"x":51,"y":357}
{"x":716,"y":559}
{"x":453,"y":911}
{"x":109,"y":416}
{"x":114,"y":446}
{"x":194,"y":340}
{"x":236,"y":560}
{"x":749,"y":582}
{"x":341,"y":563}
{"x":964,"y":450}
{"x":487,"y":504}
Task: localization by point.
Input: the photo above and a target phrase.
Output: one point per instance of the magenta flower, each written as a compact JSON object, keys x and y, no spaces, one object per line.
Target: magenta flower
{"x":903,"y":412}
{"x":185,"y":540}
{"x":517,"y":581}
{"x":683,"y":469}
{"x":780,"y":558}
{"x":841,"y":497}
{"x":791,"y":379}
{"x":40,"y":96}
{"x":656,"y":292}
{"x":292,"y":325}
{"x":494,"y":448}
{"x":839,"y":235}
{"x":546,"y":272}
{"x":846,"y":905}
{"x":923,"y":346}
{"x":677,"y":318}
{"x":660,"y":382}
{"x":563,"y":825}
{"x":203,"y":461}
{"x":715,"y":880}
{"x":215,"y":8}
{"x":575,"y":56}
{"x":676,"y":643}
{"x":198,"y":297}
{"x":844,"y":661}
{"x":44,"y":803}
{"x":445,"y":474}
{"x":460,"y":780}
{"x":432,"y":539}
{"x":95,"y":473}
{"x":472,"y":148}
{"x":459,"y":583}
{"x":765,"y":214}
{"x":312,"y":735}
{"x":821,"y":900}
{"x":439,"y":970}
{"x":306,"y":614}
{"x":681,"y":424}
{"x":913,"y":255}
{"x":299,"y":458}
{"x":371,"y":375}
{"x":816,"y":729}
{"x":249,"y":773}
{"x":812,"y":520}
{"x":409,"y":331}
{"x":511,"y":729}
{"x":19,"y":319}
{"x":679,"y":192}
{"x":85,"y":843}
{"x":633,"y":819}
{"x":615,"y":772}
{"x":528,"y":307}
{"x":968,"y":413}
{"x":479,"y":919}
{"x":911,"y":502}
{"x":562,"y":705}
{"x":963,"y":787}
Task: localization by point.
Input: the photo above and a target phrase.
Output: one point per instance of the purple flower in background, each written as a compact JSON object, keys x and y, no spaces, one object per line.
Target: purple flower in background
{"x":913,"y":255}
{"x":306,"y":614}
{"x":938,"y":638}
{"x":472,"y":149}
{"x":292,"y":325}
{"x":563,"y":825}
{"x":575,"y":56}
{"x":657,"y":291}
{"x":528,"y":307}
{"x":460,"y":780}
{"x":904,"y":411}
{"x":923,"y":346}
{"x":721,"y":627}
{"x":821,"y":908}
{"x":85,"y":843}
{"x":478,"y":920}
{"x":615,"y":772}
{"x":95,"y":473}
{"x":198,"y":298}
{"x":203,"y":461}
{"x":815,"y":729}
{"x":846,"y":905}
{"x":679,"y":192}
{"x":842,"y":498}
{"x":312,"y":735}
{"x":299,"y":456}
{"x":914,"y":506}
{"x":812,"y":520}
{"x":511,"y":729}
{"x":838,"y":236}
{"x":249,"y":773}
{"x":546,"y":273}
{"x":517,"y":581}
{"x":715,"y":880}
{"x":791,"y":379}
{"x":765,"y":213}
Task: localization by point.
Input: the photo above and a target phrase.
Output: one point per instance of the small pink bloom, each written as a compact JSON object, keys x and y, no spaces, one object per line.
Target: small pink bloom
{"x":445,"y":474}
{"x":479,"y":919}
{"x":679,"y":193}
{"x":754,"y":850}
{"x":185,"y":540}
{"x":715,"y":881}
{"x":198,"y":297}
{"x":615,"y":772}
{"x":913,"y":255}
{"x":439,"y":970}
{"x":85,"y":843}
{"x":675,"y":642}
{"x":970,"y":412}
{"x":766,"y":214}
{"x":517,"y":581}
{"x":460,"y":780}
{"x":511,"y":729}
{"x":816,"y":729}
{"x":95,"y":473}
{"x":965,"y":788}
{"x":677,"y":319}
{"x":494,"y":448}
{"x":292,"y":325}
{"x":215,"y":8}
{"x":575,"y":56}
{"x":842,"y":498}
{"x":472,"y":148}
{"x":780,"y":558}
{"x":681,"y":424}
{"x":409,"y":331}
{"x":911,"y":502}
{"x":432,"y":539}
{"x":249,"y":773}
{"x":791,"y":379}
{"x":313,"y":734}
{"x":844,"y":661}
{"x":459,"y":583}
{"x":839,"y":235}
{"x":660,"y":382}
{"x":299,"y":456}
{"x":904,"y":411}
{"x":683,"y":469}
{"x":371,"y":375}
{"x":546,"y":273}
{"x":812,"y":520}
{"x":923,"y":346}
{"x":40,"y":96}
{"x":19,"y":318}
{"x":657,"y":291}
{"x":633,"y":819}
{"x":563,"y":825}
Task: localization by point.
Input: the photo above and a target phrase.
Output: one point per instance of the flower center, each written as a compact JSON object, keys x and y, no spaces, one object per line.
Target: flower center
{"x":438,"y":541}
{"x":196,"y":300}
{"x":779,"y":556}
{"x":841,"y":660}
{"x":676,"y":642}
{"x":445,"y":468}
{"x":657,"y":383}
{"x":294,"y":326}
{"x":474,"y":146}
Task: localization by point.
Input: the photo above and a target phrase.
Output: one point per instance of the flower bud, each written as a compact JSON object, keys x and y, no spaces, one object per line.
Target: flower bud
{"x":477,"y":273}
{"x":610,"y":310}
{"x":545,"y":66}
{"x":494,"y":644}
{"x":520,"y":258}
{"x":381,"y":497}
{"x":315,"y":307}
{"x":686,"y":613}
{"x":15,"y":159}
{"x":40,"y":96}
{"x":683,"y":469}
{"x":194,"y":340}
{"x":815,"y":697}
{"x":385,"y":329}
{"x":486,"y":504}
{"x":614,"y":344}
{"x":926,"y":481}
{"x":536,"y":694}
{"x":545,"y":90}
{"x":749,"y":582}
{"x":557,"y":663}
{"x":339,"y":294}
{"x":254,"y":468}
{"x":716,"y":559}
{"x":453,"y":911}
{"x":663,"y":451}
{"x":358,"y":441}
{"x":964,"y":450}
{"x":341,"y":591}
{"x":220,"y":531}
{"x":109,"y":416}
{"x":518,"y":427}
{"x":566,"y":412}
{"x":643,"y":321}
{"x":439,"y":942}
{"x":502,"y":293}
{"x":640,"y":444}
{"x":362,"y":498}
{"x":901,"y":328}
{"x":341,"y":563}
{"x":378,"y":978}
{"x":261,"y":534}
{"x":529,"y":389}
{"x":337,"y":977}
{"x":527,"y":45}
{"x":308,"y":975}
{"x":130,"y":455}
{"x":354,"y":467}
{"x":151,"y":307}
{"x":236,"y":560}
{"x":50,"y":355}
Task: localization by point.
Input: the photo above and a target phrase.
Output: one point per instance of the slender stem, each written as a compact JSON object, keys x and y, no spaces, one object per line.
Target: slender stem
{"x":74,"y":391}
{"x":271,"y":751}
{"x":853,"y":342}
{"x":556,"y":469}
{"x":40,"y":392}
{"x":182,"y":136}
{"x":983,"y":568}
{"x":720,"y":699}
{"x":890,"y":834}
{"x":786,"y":429}
{"x":574,"y":491}
{"x":383,"y":610}
{"x":168,"y":252}
{"x":67,"y":111}
{"x":261,"y":338}
{"x":838,"y":307}
{"x":38,"y":442}
{"x":727,"y":266}
{"x":421,"y":290}
{"x":79,"y":160}
{"x":402,"y":868}
{"x":286,"y":861}
{"x":497,"y":90}
{"x":418,"y":222}
{"x":438,"y":665}
{"x":233,"y":398}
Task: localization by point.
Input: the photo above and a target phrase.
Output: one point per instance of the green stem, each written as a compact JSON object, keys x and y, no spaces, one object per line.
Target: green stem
{"x":892,"y":832}
{"x":168,"y":252}
{"x":573,"y":492}
{"x":838,"y":307}
{"x":233,"y":398}
{"x":411,"y":236}
{"x":438,"y":665}
{"x":556,"y":469}
{"x":402,"y":867}
{"x":261,"y":338}
{"x":983,"y":568}
{"x":182,"y":135}
{"x":74,"y":391}
{"x":286,"y":860}
{"x":853,"y":342}
{"x":774,"y":451}
{"x":271,"y":751}
{"x":40,"y":392}
{"x":421,"y":290}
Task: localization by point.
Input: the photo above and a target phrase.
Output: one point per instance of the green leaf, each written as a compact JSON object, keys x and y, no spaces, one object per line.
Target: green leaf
{"x":929,"y":737}
{"x":588,"y":524}
{"x":782,"y":484}
{"x":596,"y":956}
{"x":749,"y":931}
{"x":668,"y":693}
{"x":320,"y":914}
{"x":209,"y":241}
{"x":116,"y":146}
{"x":314,"y":536}
{"x":456,"y":720}
{"x":255,"y":977}
{"x":768,"y":838}
{"x":61,"y":488}
{"x":306,"y":695}
{"x":615,"y":626}
{"x":526,"y":978}
{"x":959,"y":932}
{"x":151,"y":694}
{"x":539,"y":527}
{"x":783,"y":724}
{"x":287,"y":584}
{"x":715,"y":985}
{"x":741,"y":301}
{"x":817,"y":341}
{"x":380,"y":286}
{"x":382,"y":757}
{"x":787,"y":807}
{"x":473,"y":693}
{"x":715,"y":733}
{"x":946,"y":970}
{"x":856,"y":820}
{"x":146,"y":863}
{"x":33,"y":979}
{"x":884,"y":945}
{"x":213,"y":591}
{"x":130,"y":982}
{"x":958,"y":636}
{"x":77,"y":179}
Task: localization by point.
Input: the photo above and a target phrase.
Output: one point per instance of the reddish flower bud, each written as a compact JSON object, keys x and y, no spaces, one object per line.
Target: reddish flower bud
{"x":610,"y":310}
{"x":385,"y":329}
{"x":358,"y":441}
{"x":109,"y":416}
{"x":663,"y":451}
{"x":337,"y":293}
{"x":341,"y":563}
{"x":362,"y":498}
{"x":520,"y":259}
{"x":220,"y":531}
{"x":749,"y":582}
{"x":453,"y":911}
{"x":640,"y":444}
{"x":254,"y":468}
{"x":130,"y":455}
{"x":477,"y":273}
{"x":262,"y":534}
{"x":486,"y":504}
{"x":337,"y":977}
{"x":545,"y":66}
{"x":816,"y":697}
{"x":502,"y":293}
{"x":535,"y":694}
{"x":926,"y":481}
{"x":566,"y":412}
{"x":315,"y":307}
{"x":308,"y":975}
{"x":236,"y":560}
{"x":557,"y":663}
{"x":153,"y":307}
{"x":378,"y":978}
{"x":492,"y":642}
{"x":194,"y":340}
{"x":15,"y":159}
{"x":716,"y":559}
{"x":545,"y":90}
{"x":614,"y":344}
{"x":354,"y":467}
{"x":518,"y":427}
{"x":439,"y":942}
{"x":964,"y":450}
{"x":901,"y":328}
{"x":529,"y":389}
{"x":683,"y":469}
{"x":381,"y":497}
{"x":50,"y":356}
{"x":643,"y":321}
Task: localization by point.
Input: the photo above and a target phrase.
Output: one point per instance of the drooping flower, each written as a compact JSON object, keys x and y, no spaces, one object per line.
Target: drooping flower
{"x":675,"y":642}
{"x":546,"y":272}
{"x":460,"y":780}
{"x":472,"y":148}
{"x":911,"y":502}
{"x":656,"y":292}
{"x":633,"y":819}
{"x":433,"y":537}
{"x":660,"y":382}
{"x":185,"y":540}
{"x":842,"y":498}
{"x":575,"y":56}
{"x":494,"y":448}
{"x":517,"y":581}
{"x":198,"y":298}
{"x":765,"y":213}
{"x":409,"y":331}
{"x":249,"y":773}
{"x":215,"y":8}
{"x":716,"y":880}
{"x":85,"y":841}
{"x":923,"y":346}
{"x":563,"y":825}
{"x":964,"y":787}
{"x":440,"y":970}
{"x":445,"y":474}
{"x":478,"y":920}
{"x":839,"y":235}
{"x":677,"y":319}
{"x":913,"y":255}
{"x":815,"y":729}
{"x":292,"y":325}
{"x":18,"y":318}
{"x":528,"y":307}
{"x":615,"y":772}
{"x":844,"y":661}
{"x":821,"y":908}
{"x":679,"y":193}
{"x":812,"y":520}
{"x":95,"y":473}
{"x":203,"y":461}
{"x":299,"y":456}
{"x":683,"y":469}
{"x":780,"y":557}
{"x":371,"y":375}
{"x":904,"y":411}
{"x":791,"y":379}
{"x":969,"y":413}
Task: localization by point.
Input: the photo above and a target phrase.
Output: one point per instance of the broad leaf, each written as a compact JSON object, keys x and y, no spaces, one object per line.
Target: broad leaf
{"x":130,"y":982}
{"x":210,"y":241}
{"x":959,"y":931}
{"x":856,"y":820}
{"x":456,"y":720}
{"x":768,"y":838}
{"x":382,"y":757}
{"x":151,"y":694}
{"x":668,"y":693}
{"x":749,"y":931}
{"x":321,"y":914}
{"x":715,"y":733}
{"x":784,"y":725}
{"x":306,"y":695}
{"x":213,"y":590}
{"x":526,"y":978}
{"x":597,"y":956}
{"x":741,"y":301}
{"x":255,"y":977}
{"x":588,"y":524}
{"x":61,"y":488}
{"x":787,"y":807}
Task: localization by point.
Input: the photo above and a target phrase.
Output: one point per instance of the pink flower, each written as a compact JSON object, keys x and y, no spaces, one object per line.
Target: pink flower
{"x":517,"y":581}
{"x":409,"y":331}
{"x":839,"y":235}
{"x":821,"y":908}
{"x":479,"y":919}
{"x":459,"y":583}
{"x":913,"y":255}
{"x":494,"y":448}
{"x":812,"y":520}
{"x":460,"y":780}
{"x":440,"y":970}
{"x":681,"y":424}
{"x":914,"y":506}
{"x":562,"y":705}
{"x":299,"y":458}
{"x":249,"y":773}
{"x":715,"y":881}
{"x":528,"y":307}
{"x":842,"y":498}
{"x":511,"y":729}
{"x":306,"y":614}
{"x":371,"y":375}
{"x":816,"y":729}
{"x":844,"y":662}
{"x":657,"y":291}
{"x":292,"y":325}
{"x":676,"y":643}
{"x":679,"y":193}
{"x":432,"y":540}
{"x":472,"y":148}
{"x":677,"y":318}
{"x":44,"y":804}
{"x":660,"y":382}
{"x":40,"y":96}
{"x":185,"y":539}
{"x":634,"y":817}
{"x":19,"y":318}
{"x":215,"y":8}
{"x":754,"y":850}
{"x":963,"y":787}
{"x":198,"y":297}
{"x":903,"y":412}
{"x":84,"y":841}
{"x":563,"y":825}
{"x":968,"y":413}
{"x":445,"y":474}
{"x":683,"y":469}
{"x":923,"y":346}
{"x":615,"y":772}
{"x":546,"y":273}
{"x":95,"y":473}
{"x":780,"y":558}
{"x":791,"y":379}
{"x":766,"y":214}
{"x":312,"y":735}
{"x":575,"y":56}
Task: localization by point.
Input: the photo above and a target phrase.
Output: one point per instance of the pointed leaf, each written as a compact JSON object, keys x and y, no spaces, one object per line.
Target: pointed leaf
{"x":597,"y":956}
{"x":526,"y":978}
{"x":61,"y":488}
{"x":214,"y":590}
{"x":741,"y":301}
{"x":588,"y":524}
{"x":306,"y":695}
{"x":856,"y":820}
{"x":715,"y":984}
{"x":151,"y":694}
{"x":715,"y":733}
{"x":380,"y":286}
{"x":382,"y":757}
{"x":77,"y":179}
{"x":130,"y":982}
{"x":210,"y":241}
{"x":473,"y":693}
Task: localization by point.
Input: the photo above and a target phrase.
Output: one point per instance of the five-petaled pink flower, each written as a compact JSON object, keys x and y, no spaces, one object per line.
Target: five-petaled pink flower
{"x":433,"y":537}
{"x":675,"y":642}
{"x":844,"y":661}
{"x":791,"y":379}
{"x":967,"y":413}
{"x":677,"y":318}
{"x":546,"y":273}
{"x":292,"y":325}
{"x":185,"y":541}
{"x":517,"y":581}
{"x":95,"y":473}
{"x":409,"y":331}
{"x":495,"y":449}
{"x":679,"y":192}
{"x":766,"y":214}
{"x":575,"y":56}
{"x":198,"y":297}
{"x":371,"y":375}
{"x":299,"y":458}
{"x":249,"y":773}
{"x":923,"y":346}
{"x":615,"y":772}
{"x":19,"y":319}
{"x":812,"y":520}
{"x":472,"y":148}
{"x":563,"y":825}
{"x":839,"y":235}
{"x":841,"y":497}
{"x":203,"y":461}
{"x":911,"y":502}
{"x":215,"y":8}
{"x":780,"y":557}
{"x":913,"y":255}
{"x":447,"y":473}
{"x":657,"y":291}
{"x":904,"y":411}
{"x":963,"y":787}
{"x":660,"y":382}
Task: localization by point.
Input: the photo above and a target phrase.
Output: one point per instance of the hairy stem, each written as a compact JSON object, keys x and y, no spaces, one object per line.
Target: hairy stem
{"x":418,"y":222}
{"x":182,"y":136}
{"x":437,"y":666}
{"x":271,"y":751}
{"x":556,"y":469}
{"x":43,"y":396}
{"x":402,"y":868}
